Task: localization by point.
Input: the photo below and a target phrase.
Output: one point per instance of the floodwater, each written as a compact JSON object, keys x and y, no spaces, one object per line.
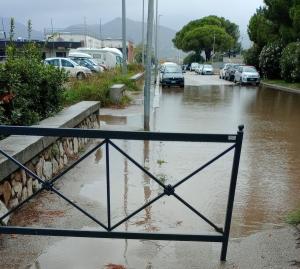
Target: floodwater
{"x":268,"y":182}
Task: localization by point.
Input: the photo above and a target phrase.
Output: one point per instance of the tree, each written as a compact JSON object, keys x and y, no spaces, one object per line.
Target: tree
{"x":12,"y":29}
{"x":261,"y":30}
{"x":192,"y":58}
{"x":29,"y":29}
{"x":207,"y":33}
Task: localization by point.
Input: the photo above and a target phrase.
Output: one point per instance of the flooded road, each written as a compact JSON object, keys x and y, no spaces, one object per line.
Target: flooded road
{"x":268,"y":182}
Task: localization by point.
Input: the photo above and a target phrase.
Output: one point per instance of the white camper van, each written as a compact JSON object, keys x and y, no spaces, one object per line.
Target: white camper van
{"x":101,"y":56}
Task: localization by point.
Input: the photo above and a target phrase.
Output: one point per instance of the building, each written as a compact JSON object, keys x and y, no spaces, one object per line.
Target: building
{"x":49,"y":49}
{"x":91,"y":41}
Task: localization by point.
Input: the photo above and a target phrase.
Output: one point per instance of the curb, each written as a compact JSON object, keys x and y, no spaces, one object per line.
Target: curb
{"x":281,"y":88}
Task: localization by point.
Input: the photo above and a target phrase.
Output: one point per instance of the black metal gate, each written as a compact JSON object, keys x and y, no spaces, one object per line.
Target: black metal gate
{"x":169,"y":190}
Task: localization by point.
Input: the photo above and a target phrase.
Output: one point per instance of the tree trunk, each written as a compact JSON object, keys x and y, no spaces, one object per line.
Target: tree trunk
{"x":208,"y":54}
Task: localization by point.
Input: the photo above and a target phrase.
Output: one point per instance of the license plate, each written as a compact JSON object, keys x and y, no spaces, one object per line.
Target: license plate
{"x":252,"y":79}
{"x":173,"y":81}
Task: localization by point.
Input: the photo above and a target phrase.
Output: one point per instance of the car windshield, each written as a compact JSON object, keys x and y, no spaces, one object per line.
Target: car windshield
{"x":207,"y":66}
{"x":92,"y":61}
{"x":173,"y":69}
{"x":250,"y":69}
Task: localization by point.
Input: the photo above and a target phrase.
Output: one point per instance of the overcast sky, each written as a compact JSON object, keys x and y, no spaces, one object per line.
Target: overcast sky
{"x":175,"y":13}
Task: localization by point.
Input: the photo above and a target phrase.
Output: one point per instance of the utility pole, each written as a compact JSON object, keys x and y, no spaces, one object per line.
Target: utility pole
{"x":214,"y":48}
{"x":52,"y":30}
{"x":156,"y":40}
{"x":124,"y":43}
{"x":148,"y":66}
{"x":100,"y":32}
{"x":143,"y":34}
{"x":85,"y":32}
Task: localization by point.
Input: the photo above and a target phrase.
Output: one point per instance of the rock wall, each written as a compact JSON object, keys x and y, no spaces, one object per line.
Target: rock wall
{"x":50,"y":162}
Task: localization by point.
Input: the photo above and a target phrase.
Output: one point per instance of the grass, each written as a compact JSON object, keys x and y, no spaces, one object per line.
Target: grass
{"x":96,"y":88}
{"x":295,"y":86}
{"x":293,"y":217}
{"x":161,"y":162}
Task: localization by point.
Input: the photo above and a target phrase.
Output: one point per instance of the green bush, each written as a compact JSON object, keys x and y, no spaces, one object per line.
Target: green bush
{"x":135,"y":68}
{"x":290,"y":62}
{"x":36,"y":89}
{"x":251,"y":56}
{"x":96,"y":88}
{"x":269,"y":60}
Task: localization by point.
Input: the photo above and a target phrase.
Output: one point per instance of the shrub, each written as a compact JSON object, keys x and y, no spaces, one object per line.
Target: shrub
{"x":269,"y":60}
{"x":251,"y":56}
{"x":290,"y":62}
{"x":35,"y":89}
{"x":96,"y":88}
{"x":135,"y":68}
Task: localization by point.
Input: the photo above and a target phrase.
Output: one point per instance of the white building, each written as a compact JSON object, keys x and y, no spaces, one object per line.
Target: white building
{"x":89,"y":41}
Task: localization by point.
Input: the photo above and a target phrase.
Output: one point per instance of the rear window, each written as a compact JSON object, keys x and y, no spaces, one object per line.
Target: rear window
{"x":54,"y":62}
{"x":173,"y":69}
{"x":249,"y":69}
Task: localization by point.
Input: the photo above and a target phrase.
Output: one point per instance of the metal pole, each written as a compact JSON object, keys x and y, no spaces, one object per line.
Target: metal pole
{"x":156,"y":40}
{"x":234,"y":174}
{"x":148,"y":66}
{"x":124,"y":45}
{"x":85,"y":32}
{"x":212,"y":60}
{"x":143,"y":34}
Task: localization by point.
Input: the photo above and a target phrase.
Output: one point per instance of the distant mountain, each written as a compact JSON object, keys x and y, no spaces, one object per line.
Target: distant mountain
{"x":113,"y":29}
{"x":20,"y":30}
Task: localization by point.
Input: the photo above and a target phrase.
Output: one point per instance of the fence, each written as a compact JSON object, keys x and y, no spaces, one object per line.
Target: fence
{"x":222,"y":236}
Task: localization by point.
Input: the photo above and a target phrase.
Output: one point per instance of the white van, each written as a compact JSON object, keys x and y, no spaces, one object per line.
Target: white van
{"x":86,"y":60}
{"x":101,"y":56}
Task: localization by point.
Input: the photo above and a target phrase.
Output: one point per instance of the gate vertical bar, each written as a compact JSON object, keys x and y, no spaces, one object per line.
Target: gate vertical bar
{"x":233,"y":180}
{"x":108,"y":184}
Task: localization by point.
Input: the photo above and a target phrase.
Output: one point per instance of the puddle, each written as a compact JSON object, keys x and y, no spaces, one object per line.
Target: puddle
{"x":268,"y":183}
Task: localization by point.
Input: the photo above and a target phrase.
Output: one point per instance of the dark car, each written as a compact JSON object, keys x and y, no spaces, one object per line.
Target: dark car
{"x":172,"y":76}
{"x":230,"y":72}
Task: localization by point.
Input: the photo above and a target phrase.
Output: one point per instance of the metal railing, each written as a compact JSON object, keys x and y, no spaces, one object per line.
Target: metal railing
{"x":168,"y":190}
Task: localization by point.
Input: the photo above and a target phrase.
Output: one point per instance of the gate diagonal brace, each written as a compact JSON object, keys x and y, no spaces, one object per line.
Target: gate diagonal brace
{"x":169,"y":190}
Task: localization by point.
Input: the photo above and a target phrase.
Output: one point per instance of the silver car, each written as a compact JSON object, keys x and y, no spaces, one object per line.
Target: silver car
{"x":247,"y":75}
{"x":207,"y":70}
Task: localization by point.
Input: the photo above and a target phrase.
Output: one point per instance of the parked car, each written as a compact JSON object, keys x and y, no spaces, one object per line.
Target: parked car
{"x":207,"y":69}
{"x":223,"y":70}
{"x":86,"y":60}
{"x":172,"y":76}
{"x":102,"y":56}
{"x":199,"y":69}
{"x":163,"y":67}
{"x":230,"y":72}
{"x":247,"y":74}
{"x":73,"y":68}
{"x":194,"y":66}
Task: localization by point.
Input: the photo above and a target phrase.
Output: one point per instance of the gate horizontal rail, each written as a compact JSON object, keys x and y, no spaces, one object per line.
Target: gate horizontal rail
{"x":169,"y":190}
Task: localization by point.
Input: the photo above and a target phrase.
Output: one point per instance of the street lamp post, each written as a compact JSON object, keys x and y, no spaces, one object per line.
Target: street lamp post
{"x":156,"y":40}
{"x":143,"y":34}
{"x":148,"y":66}
{"x":124,"y":49}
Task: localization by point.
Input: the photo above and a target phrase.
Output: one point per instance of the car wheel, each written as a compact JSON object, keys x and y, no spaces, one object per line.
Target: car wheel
{"x":257,"y":83}
{"x":80,"y":76}
{"x":241,"y":82}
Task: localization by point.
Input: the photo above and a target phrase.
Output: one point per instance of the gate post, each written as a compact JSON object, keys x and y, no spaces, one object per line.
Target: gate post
{"x":233,"y":180}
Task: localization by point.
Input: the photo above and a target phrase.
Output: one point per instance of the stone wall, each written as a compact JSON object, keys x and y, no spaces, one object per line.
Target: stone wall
{"x":16,"y":187}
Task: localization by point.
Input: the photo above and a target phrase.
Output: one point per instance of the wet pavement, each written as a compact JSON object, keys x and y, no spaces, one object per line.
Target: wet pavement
{"x":268,"y":186}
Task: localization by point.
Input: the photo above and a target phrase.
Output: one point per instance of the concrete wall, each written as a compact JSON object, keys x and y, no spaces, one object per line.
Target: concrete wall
{"x":44,"y":156}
